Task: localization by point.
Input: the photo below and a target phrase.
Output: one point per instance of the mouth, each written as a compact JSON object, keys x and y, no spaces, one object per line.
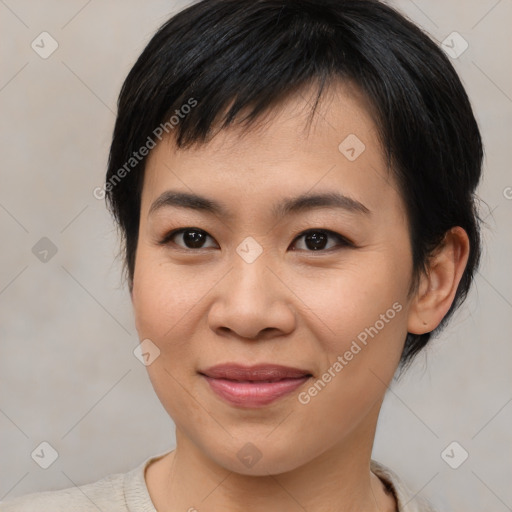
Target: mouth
{"x":253,"y":386}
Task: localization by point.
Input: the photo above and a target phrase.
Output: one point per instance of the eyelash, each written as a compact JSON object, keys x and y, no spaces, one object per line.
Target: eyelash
{"x":342,"y":241}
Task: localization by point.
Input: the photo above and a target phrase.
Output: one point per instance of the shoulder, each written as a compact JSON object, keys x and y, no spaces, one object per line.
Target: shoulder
{"x":406,"y":500}
{"x":105,"y":494}
{"x":119,"y":492}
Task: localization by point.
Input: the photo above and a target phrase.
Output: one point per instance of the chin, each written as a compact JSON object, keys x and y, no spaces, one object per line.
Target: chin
{"x":258,"y":458}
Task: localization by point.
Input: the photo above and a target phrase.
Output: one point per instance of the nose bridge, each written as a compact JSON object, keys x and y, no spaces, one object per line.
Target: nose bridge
{"x":251,"y":278}
{"x":251,"y":297}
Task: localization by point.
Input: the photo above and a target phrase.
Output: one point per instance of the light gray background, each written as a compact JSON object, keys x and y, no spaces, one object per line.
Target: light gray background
{"x":68,"y":374}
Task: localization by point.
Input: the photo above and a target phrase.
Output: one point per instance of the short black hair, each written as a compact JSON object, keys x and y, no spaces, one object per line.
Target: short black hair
{"x":230,"y":57}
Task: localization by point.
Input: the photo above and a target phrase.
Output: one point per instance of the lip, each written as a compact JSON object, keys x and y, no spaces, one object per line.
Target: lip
{"x":254,"y":386}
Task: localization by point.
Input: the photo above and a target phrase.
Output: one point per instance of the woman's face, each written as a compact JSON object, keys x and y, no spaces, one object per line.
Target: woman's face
{"x":246,"y":286}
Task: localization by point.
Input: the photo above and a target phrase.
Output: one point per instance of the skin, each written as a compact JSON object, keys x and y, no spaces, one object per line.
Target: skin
{"x":293,"y":306}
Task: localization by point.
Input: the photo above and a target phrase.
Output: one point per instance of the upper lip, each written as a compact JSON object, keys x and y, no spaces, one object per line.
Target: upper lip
{"x":268,"y":372}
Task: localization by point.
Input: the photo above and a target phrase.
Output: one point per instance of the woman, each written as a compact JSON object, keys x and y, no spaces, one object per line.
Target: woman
{"x":294,"y":182}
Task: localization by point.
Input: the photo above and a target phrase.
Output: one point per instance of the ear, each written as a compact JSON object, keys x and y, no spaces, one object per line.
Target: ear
{"x":437,"y":287}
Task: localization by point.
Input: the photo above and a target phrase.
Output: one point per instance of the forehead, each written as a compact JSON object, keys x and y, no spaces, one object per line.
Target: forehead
{"x":284,"y":152}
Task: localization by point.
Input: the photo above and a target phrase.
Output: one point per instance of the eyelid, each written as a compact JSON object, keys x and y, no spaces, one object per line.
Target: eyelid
{"x":343,"y":240}
{"x":168,"y":236}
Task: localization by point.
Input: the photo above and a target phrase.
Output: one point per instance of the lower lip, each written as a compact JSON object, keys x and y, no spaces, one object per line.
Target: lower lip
{"x":253,"y":394}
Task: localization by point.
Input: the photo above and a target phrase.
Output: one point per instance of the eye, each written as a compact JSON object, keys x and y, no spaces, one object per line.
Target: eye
{"x":192,"y":238}
{"x":316,"y":239}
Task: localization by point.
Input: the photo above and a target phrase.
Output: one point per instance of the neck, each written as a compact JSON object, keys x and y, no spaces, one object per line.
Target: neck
{"x":338,"y":480}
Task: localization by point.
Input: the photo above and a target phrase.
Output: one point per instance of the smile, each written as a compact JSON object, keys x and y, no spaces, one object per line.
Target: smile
{"x":254,"y":386}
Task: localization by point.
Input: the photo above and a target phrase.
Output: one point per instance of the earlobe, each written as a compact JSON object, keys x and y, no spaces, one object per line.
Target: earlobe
{"x":438,"y":285}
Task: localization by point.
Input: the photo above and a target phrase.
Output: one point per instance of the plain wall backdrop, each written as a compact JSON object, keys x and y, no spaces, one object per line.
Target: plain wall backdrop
{"x":68,"y":373}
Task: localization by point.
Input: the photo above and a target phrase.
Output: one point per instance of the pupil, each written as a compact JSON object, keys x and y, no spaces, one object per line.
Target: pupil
{"x":193,"y":239}
{"x":316,"y":239}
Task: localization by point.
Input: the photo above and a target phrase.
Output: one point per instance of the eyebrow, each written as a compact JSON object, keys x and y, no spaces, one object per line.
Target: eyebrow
{"x":288,"y":206}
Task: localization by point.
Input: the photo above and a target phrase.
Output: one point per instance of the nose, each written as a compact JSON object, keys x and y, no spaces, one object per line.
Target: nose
{"x":252,"y":302}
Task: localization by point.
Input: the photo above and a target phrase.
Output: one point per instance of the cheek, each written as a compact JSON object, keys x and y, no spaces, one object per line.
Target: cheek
{"x":365,"y":311}
{"x":163,"y":301}
{"x":356,"y":301}
{"x":164,"y":296}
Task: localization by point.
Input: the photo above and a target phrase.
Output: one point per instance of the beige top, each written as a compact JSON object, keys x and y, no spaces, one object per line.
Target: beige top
{"x":127,"y":492}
